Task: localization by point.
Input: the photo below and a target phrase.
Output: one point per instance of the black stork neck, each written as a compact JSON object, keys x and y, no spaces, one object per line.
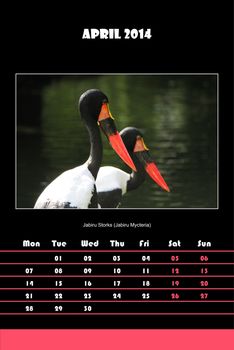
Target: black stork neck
{"x":136,"y":178}
{"x":95,"y":155}
{"x":90,"y":104}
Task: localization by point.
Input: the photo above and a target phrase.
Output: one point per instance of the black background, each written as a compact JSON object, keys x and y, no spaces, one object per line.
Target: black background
{"x":187,"y":37}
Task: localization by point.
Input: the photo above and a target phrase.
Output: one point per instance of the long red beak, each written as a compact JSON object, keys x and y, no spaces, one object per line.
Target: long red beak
{"x":141,"y":151}
{"x":119,"y":147}
{"x":154,"y":173}
{"x":106,"y":122}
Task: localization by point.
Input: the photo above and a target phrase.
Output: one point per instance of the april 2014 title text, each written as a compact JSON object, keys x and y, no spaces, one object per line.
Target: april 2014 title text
{"x":115,"y":33}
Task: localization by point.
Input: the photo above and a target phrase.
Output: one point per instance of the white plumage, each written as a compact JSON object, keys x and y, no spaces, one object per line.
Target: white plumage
{"x":110,"y":178}
{"x":73,"y":188}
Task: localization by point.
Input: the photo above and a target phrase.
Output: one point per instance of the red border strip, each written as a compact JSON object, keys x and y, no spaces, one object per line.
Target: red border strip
{"x":116,"y":339}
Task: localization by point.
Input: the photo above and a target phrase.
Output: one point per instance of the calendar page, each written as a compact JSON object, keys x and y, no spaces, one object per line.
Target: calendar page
{"x":118,"y":232}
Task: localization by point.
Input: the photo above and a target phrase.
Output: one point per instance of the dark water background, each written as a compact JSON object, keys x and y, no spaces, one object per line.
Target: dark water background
{"x":178,"y":115}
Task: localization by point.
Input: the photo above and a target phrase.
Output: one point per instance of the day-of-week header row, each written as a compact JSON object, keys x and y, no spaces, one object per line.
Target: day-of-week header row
{"x":111,"y":244}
